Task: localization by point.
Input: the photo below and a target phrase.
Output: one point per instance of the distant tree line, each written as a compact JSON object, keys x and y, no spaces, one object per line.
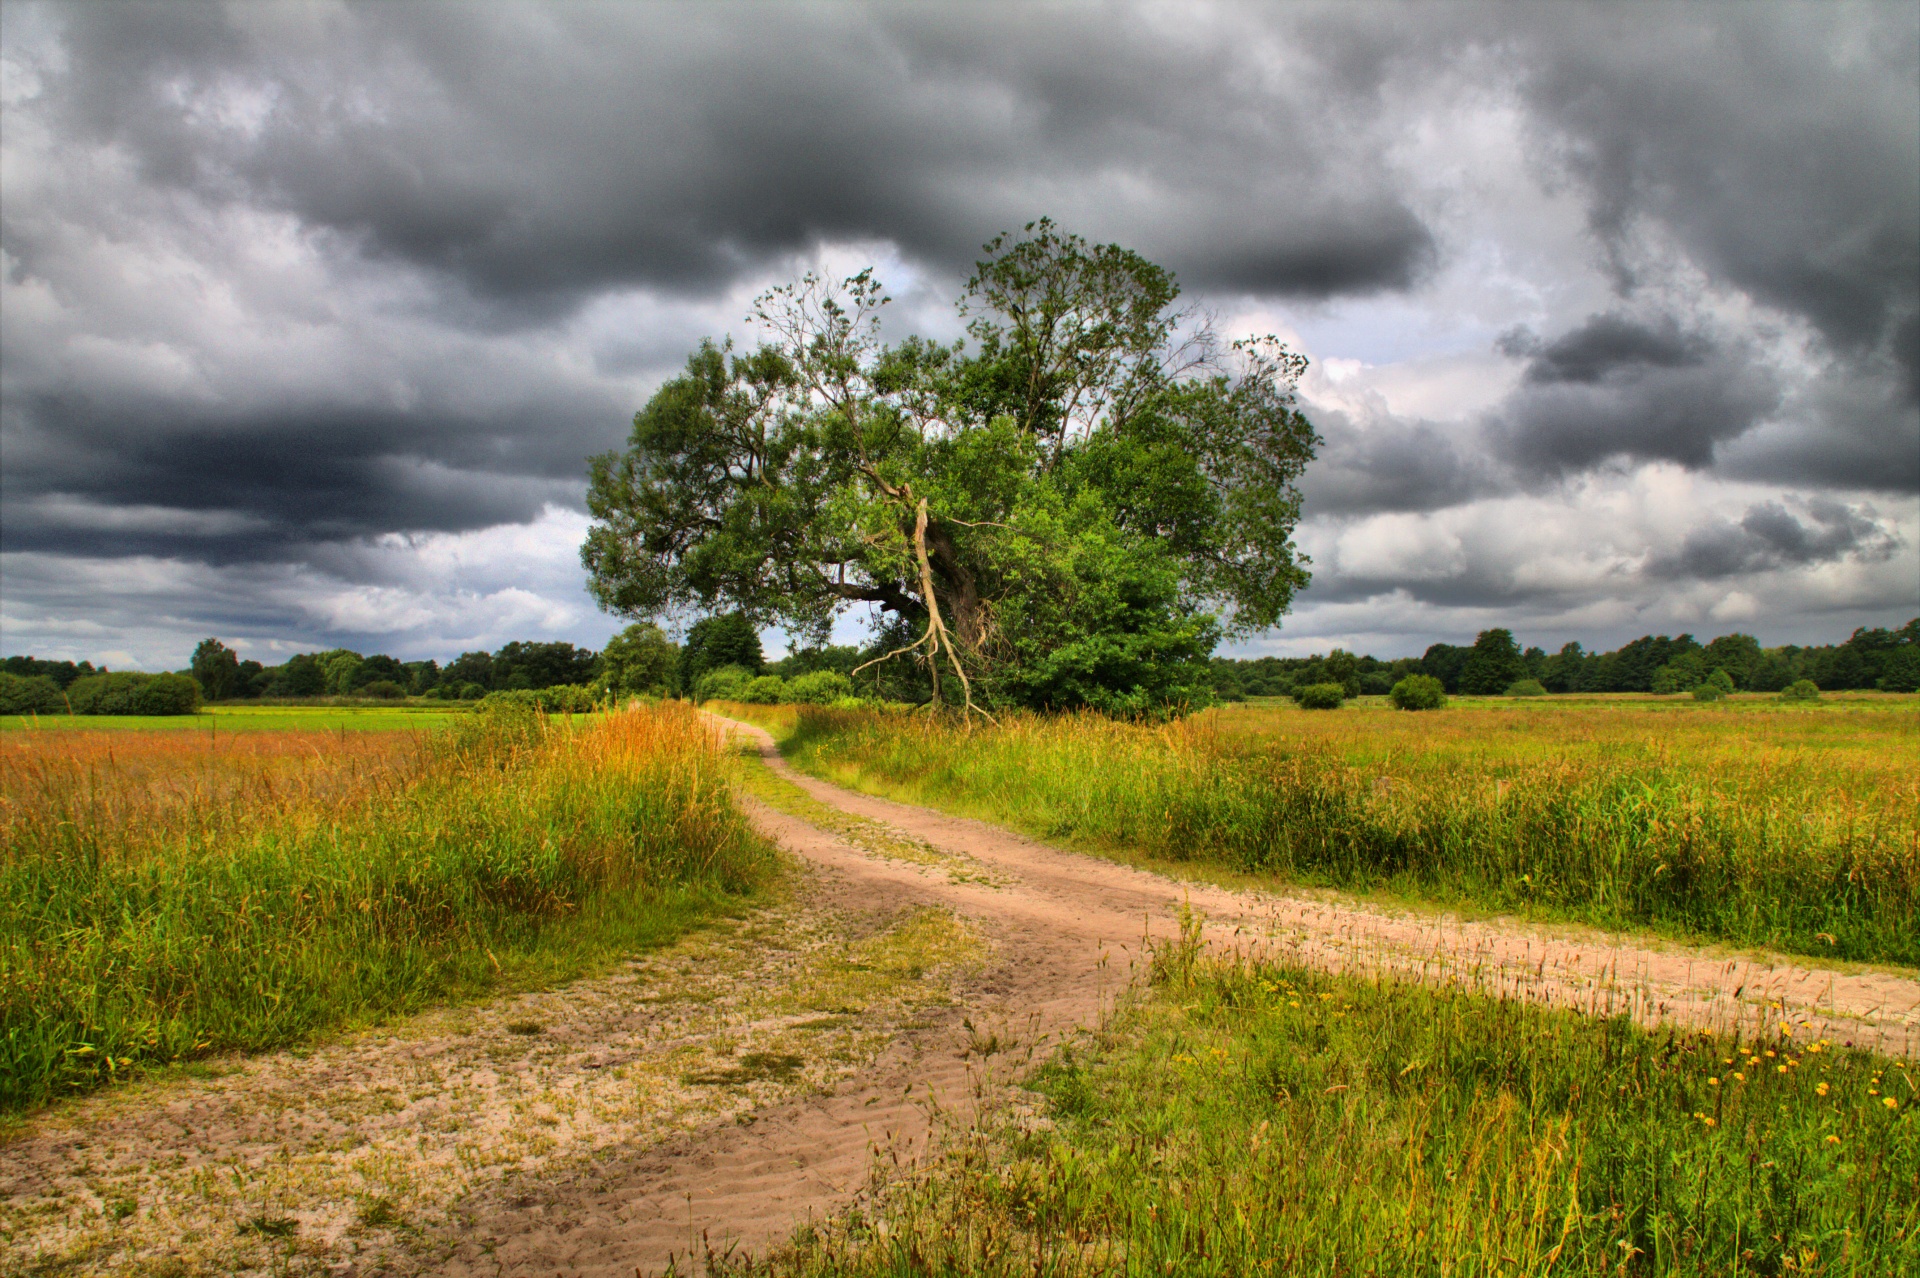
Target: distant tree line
{"x":725,"y":650}
{"x":1887,"y":660}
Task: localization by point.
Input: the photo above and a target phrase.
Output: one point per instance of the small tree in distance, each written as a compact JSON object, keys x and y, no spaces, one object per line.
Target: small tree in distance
{"x":216,"y":668}
{"x":1418,"y":692}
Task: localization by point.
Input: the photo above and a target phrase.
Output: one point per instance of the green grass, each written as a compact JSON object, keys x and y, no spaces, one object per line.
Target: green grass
{"x":146,"y":920}
{"x":1251,"y":1118}
{"x":1759,"y":824}
{"x":250,"y":718}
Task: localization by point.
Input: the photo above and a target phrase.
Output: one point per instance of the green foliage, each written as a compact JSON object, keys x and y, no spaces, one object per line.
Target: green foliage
{"x":819,"y":688}
{"x":1418,"y":692}
{"x":382,"y":690}
{"x":133,"y":693}
{"x":638,"y":662}
{"x":1492,"y":665}
{"x":1714,"y":687}
{"x":1902,"y":670}
{"x":728,"y":640}
{"x":1801,"y":690}
{"x":1320,"y":696}
{"x":1256,"y":1118}
{"x":30,"y":694}
{"x":1526,"y":688}
{"x":216,"y":668}
{"x":62,"y":673}
{"x":722,"y":684}
{"x":763,"y":690}
{"x":1055,"y":517}
{"x":559,"y":698}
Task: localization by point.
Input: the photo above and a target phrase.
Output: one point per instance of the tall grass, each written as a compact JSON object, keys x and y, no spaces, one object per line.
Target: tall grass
{"x":1767,"y":827}
{"x":162,"y":898}
{"x":1253,"y":1119}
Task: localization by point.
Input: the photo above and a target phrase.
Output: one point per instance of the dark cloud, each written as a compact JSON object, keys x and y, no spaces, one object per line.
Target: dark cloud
{"x":1389,"y":465}
{"x":1620,"y":387}
{"x":536,"y":155}
{"x":1770,"y":536}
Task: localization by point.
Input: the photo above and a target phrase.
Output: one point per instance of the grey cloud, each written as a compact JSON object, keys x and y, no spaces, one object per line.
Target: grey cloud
{"x":1390,"y":465}
{"x":533,"y":154}
{"x":1620,"y":387}
{"x":1770,"y":537}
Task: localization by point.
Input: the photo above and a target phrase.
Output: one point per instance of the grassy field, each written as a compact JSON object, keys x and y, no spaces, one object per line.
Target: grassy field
{"x":1249,"y":1119}
{"x":1751,"y":822}
{"x":247,"y":717}
{"x":165,"y":895}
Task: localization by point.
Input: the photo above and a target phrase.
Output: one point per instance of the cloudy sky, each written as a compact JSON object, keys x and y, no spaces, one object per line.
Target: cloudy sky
{"x":312,"y":312}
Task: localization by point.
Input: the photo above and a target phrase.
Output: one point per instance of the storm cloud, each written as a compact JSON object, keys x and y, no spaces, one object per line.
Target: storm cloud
{"x":294,"y":292}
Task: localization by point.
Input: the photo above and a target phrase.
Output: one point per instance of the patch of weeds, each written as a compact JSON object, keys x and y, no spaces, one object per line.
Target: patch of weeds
{"x":379,"y":1213}
{"x":825,"y":1023}
{"x":754,"y":1067}
{"x":270,"y":1227}
{"x":525,"y":1027}
{"x":121,"y":1208}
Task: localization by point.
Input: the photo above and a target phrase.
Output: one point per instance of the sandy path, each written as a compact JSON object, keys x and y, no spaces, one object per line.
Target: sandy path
{"x":1065,"y":934}
{"x":1653,"y":982}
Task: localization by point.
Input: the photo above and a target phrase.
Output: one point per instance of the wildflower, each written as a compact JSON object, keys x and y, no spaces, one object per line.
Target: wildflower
{"x":1890,"y":1102}
{"x":1821,"y":1090}
{"x":1710,"y":1122}
{"x":1873,"y":1091}
{"x":1833,"y":1140}
{"x":1769,"y":1055}
{"x":1713,"y":1082}
{"x":1739,"y":1077}
{"x":1779,"y":1069}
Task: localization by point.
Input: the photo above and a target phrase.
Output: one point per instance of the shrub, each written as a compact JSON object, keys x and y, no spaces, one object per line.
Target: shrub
{"x":1321,"y":696}
{"x":133,"y":693}
{"x":722,"y":684}
{"x":1667,"y":681}
{"x":766,"y":690}
{"x":1419,"y":692}
{"x":29,"y":694}
{"x":383,"y":690}
{"x":472,"y":692}
{"x":1716,"y":685}
{"x":561,"y":698}
{"x":819,"y":688}
{"x":1801,"y":690}
{"x":1527,"y":688}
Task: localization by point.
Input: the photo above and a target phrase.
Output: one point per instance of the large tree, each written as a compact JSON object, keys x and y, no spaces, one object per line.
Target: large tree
{"x":1067,"y":508}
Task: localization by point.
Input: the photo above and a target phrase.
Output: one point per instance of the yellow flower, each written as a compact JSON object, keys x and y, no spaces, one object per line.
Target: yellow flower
{"x":1821,"y":1090}
{"x":1779,"y":1069}
{"x":1890,"y":1102}
{"x":1739,"y":1077}
{"x":1769,"y":1055}
{"x":1833,"y":1140}
{"x":1713,"y":1082}
{"x":1710,"y":1122}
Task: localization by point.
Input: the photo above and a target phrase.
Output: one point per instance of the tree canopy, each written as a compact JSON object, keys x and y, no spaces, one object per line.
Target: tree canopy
{"x":1069,"y":507}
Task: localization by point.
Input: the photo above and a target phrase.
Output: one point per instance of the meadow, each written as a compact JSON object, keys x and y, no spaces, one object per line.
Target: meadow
{"x":251,"y":717}
{"x":167,"y":895}
{"x":1251,"y":1118}
{"x":1747,"y":821}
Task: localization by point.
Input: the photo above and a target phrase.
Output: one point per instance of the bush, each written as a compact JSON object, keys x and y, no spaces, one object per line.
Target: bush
{"x":722,"y":684}
{"x":132,"y":693}
{"x":472,"y":692}
{"x":29,"y":694}
{"x":561,"y":698}
{"x":1419,"y":692}
{"x":818,"y":688}
{"x":1527,"y":688}
{"x":1321,"y":696}
{"x":1801,"y":690}
{"x":1716,"y":685}
{"x":766,"y":690}
{"x":383,"y":690}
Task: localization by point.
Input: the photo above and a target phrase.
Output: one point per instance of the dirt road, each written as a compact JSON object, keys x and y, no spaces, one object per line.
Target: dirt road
{"x":1054,"y":934}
